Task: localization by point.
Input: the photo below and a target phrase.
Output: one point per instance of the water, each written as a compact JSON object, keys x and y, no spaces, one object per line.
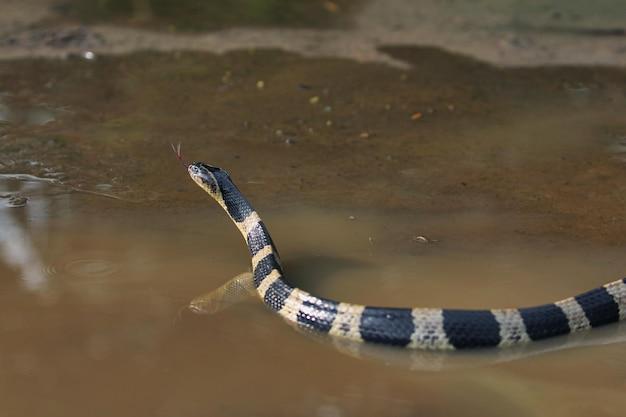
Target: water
{"x":91,"y":312}
{"x":395,"y":175}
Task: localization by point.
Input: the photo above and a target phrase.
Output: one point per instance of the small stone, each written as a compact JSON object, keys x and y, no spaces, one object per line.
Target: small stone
{"x":364,"y":135}
{"x":328,"y":109}
{"x":55,"y":175}
{"x":331,"y":7}
{"x":451,"y":107}
{"x":260,"y":84}
{"x":17,"y":201}
{"x":314,"y":100}
{"x":416,"y":116}
{"x":89,"y":55}
{"x":423,"y":239}
{"x":289,"y":141}
{"x":329,"y":123}
{"x":351,"y":218}
{"x":279,"y":132}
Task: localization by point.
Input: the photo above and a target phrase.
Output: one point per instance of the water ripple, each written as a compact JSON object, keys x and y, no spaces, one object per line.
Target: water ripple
{"x":91,"y":268}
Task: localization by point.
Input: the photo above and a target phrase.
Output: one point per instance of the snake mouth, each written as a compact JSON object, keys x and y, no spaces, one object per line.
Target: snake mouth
{"x":205,"y":178}
{"x":200,"y":175}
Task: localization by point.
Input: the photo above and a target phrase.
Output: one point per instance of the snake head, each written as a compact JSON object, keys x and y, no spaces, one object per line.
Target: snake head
{"x":207,"y":177}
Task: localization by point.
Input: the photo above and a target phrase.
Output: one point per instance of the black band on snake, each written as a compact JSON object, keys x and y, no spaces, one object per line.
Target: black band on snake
{"x":421,"y":328}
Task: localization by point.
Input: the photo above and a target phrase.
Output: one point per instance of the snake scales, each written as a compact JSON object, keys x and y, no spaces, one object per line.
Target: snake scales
{"x":421,"y":328}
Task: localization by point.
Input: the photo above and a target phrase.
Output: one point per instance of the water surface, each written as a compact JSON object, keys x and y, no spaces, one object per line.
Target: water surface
{"x":92,"y":290}
{"x":449,"y":183}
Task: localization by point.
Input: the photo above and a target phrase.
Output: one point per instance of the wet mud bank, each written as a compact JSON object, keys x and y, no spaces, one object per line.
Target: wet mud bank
{"x":449,"y":134}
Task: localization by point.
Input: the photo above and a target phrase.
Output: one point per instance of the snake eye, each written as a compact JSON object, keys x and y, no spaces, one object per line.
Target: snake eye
{"x":193,"y":170}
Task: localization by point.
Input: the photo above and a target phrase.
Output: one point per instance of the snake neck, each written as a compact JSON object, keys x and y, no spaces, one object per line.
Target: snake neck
{"x":248,"y":223}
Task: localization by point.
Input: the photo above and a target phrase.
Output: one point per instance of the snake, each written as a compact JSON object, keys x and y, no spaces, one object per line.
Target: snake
{"x":415,"y":328}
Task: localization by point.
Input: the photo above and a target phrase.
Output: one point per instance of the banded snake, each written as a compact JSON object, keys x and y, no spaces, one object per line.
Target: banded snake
{"x":420,"y":328}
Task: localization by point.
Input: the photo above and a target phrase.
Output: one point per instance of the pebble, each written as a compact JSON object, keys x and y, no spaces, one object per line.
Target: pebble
{"x":416,"y":116}
{"x":423,"y":239}
{"x":260,"y":84}
{"x":331,"y":7}
{"x":17,"y":201}
{"x":351,"y":217}
{"x":314,"y":100}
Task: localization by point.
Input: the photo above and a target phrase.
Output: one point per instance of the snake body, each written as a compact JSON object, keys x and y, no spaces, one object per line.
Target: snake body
{"x":421,"y":328}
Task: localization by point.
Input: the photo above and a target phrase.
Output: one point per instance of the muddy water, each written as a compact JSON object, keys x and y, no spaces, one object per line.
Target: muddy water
{"x":514,"y":177}
{"x":92,"y":289}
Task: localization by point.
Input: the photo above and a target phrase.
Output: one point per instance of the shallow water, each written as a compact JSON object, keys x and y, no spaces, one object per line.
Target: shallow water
{"x":92,"y":290}
{"x":441,"y":181}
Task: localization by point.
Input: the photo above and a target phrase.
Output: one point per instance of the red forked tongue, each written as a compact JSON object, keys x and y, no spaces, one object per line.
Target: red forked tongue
{"x":178,"y":154}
